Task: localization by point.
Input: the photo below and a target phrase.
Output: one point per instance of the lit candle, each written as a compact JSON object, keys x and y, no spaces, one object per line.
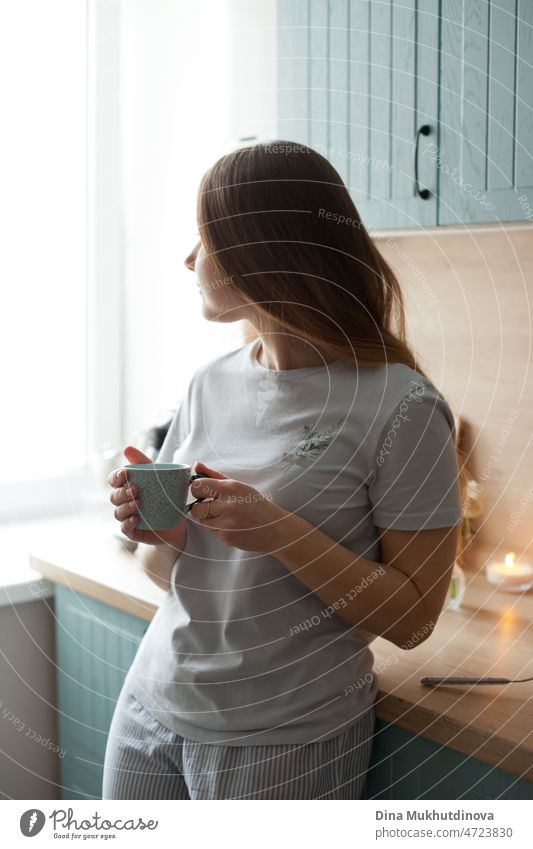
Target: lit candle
{"x":509,"y":575}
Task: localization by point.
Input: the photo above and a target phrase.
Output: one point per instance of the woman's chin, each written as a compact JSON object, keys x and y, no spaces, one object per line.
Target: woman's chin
{"x":210,"y":313}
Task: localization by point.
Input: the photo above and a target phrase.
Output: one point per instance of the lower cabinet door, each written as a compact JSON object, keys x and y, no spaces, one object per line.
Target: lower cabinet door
{"x":95,"y":647}
{"x":407,"y":766}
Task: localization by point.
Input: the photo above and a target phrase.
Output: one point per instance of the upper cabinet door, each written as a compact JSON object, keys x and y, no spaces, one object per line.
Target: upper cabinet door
{"x":357,"y":80}
{"x":485,"y":159}
{"x":393,"y":96}
{"x":293,"y":70}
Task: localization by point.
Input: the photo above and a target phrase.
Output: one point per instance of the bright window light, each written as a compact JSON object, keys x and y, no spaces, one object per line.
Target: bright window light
{"x":43,"y":72}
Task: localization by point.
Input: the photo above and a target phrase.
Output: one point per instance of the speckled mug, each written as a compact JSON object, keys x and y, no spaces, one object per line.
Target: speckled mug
{"x":163,"y":491}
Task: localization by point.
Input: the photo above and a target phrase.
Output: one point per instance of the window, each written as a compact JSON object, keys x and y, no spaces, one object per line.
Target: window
{"x":43,"y":68}
{"x":195,"y":78}
{"x":111,"y":111}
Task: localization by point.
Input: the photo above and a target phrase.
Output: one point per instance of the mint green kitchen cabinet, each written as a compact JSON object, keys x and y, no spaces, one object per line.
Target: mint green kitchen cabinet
{"x":293,"y":70}
{"x":486,"y":143}
{"x":96,"y":645}
{"x":358,"y":81}
{"x":407,"y":766}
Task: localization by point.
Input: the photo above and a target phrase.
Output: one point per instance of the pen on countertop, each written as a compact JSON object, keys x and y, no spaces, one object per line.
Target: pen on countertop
{"x":435,"y":682}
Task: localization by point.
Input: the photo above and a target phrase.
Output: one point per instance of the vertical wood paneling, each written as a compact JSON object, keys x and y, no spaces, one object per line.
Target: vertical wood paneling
{"x":362,"y":97}
{"x":405,"y":775}
{"x":427,"y":89}
{"x":403,"y":97}
{"x":501,"y":116}
{"x":524,"y":96}
{"x":487,"y":97}
{"x":96,"y":645}
{"x":402,"y":93}
{"x":339,"y":81}
{"x":380,"y":98}
{"x":407,"y":766}
{"x":293,"y":70}
{"x":319,"y":75}
{"x":483,"y":97}
{"x":475,"y":88}
{"x":113,"y":660}
{"x":451,"y":109}
{"x":98,"y":650}
{"x":109,"y":677}
{"x":81,"y":633}
{"x":359,"y":102}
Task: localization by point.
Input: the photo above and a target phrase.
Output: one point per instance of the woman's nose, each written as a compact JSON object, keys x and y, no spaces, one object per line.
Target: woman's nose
{"x":191,"y":259}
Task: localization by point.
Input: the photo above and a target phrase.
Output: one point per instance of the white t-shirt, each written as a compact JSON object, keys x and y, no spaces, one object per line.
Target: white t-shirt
{"x":241,"y":652}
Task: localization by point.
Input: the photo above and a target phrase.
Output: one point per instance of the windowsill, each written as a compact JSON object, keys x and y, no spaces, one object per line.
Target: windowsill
{"x":19,"y":582}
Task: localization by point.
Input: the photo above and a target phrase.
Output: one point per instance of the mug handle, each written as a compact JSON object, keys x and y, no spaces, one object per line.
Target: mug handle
{"x":193,"y":478}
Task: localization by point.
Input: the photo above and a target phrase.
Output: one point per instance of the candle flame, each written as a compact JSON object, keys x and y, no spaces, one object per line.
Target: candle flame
{"x":510,"y":559}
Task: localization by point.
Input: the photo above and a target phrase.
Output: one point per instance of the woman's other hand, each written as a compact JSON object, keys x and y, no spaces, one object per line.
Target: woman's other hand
{"x":235,"y":512}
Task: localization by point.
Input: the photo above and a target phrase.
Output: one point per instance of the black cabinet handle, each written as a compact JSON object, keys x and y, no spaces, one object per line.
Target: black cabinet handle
{"x":424,"y":130}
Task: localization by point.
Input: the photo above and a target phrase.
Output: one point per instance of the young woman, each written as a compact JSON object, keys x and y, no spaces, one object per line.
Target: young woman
{"x":332,"y":504}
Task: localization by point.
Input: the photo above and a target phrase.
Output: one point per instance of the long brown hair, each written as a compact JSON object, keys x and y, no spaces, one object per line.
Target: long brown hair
{"x":278,"y":221}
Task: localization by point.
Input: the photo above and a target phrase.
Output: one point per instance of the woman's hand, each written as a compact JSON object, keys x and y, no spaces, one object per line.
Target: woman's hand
{"x":236,"y":513}
{"x":127,"y":503}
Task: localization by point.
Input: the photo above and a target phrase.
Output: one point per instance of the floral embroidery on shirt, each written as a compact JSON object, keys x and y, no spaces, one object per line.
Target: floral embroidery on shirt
{"x":312,"y":444}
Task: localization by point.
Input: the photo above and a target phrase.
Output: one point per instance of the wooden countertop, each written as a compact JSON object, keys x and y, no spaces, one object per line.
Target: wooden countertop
{"x":84,"y":554}
{"x":491,"y":635}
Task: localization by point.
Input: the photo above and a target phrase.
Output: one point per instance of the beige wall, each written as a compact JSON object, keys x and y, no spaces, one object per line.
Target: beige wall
{"x":469,"y":299}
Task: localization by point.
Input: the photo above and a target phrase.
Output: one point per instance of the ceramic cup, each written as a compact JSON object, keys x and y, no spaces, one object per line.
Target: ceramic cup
{"x":163,"y":492}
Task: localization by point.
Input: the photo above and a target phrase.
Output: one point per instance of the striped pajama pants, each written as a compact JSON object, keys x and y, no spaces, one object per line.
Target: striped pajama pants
{"x":146,"y":760}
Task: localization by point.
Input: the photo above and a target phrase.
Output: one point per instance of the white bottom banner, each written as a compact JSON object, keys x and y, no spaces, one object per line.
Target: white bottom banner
{"x":243,"y":823}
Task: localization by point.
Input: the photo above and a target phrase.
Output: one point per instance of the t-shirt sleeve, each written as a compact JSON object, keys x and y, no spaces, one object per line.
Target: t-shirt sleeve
{"x":415,"y":479}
